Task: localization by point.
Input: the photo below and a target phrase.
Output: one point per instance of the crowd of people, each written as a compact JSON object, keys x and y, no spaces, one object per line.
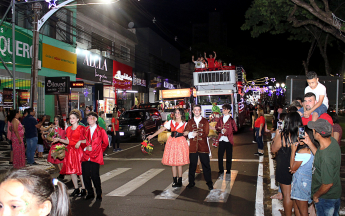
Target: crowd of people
{"x":203,"y":63}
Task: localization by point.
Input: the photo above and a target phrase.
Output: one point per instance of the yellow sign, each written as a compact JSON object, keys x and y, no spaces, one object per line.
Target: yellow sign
{"x":176,"y":93}
{"x":59,"y":59}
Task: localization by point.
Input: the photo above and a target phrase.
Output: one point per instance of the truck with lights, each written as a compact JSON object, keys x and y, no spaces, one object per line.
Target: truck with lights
{"x":221,"y":86}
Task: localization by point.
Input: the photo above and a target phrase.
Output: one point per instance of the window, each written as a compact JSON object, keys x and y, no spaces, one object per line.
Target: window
{"x":125,"y":53}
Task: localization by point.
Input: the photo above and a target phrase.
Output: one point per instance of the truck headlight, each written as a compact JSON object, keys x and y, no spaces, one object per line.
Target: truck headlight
{"x":131,"y":128}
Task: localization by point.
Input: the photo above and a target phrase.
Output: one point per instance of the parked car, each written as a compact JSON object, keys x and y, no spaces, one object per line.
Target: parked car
{"x":139,"y":123}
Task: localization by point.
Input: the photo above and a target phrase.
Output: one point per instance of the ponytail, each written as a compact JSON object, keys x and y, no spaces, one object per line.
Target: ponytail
{"x":60,"y":200}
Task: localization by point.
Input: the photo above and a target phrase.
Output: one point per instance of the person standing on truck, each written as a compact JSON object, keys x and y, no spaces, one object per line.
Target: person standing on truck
{"x":211,"y":60}
{"x":321,"y":97}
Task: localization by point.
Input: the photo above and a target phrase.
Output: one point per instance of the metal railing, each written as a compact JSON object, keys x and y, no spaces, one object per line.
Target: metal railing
{"x":212,"y":77}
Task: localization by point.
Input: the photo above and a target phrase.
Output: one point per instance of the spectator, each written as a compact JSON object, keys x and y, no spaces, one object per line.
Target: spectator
{"x":30,"y":124}
{"x":34,"y":192}
{"x":101,"y":121}
{"x":282,"y":144}
{"x":259,"y":131}
{"x":2,"y":121}
{"x":326,"y":184}
{"x":319,"y":90}
{"x":211,"y":60}
{"x":198,"y":63}
{"x":17,"y":135}
{"x":123,"y":110}
{"x":299,"y":100}
{"x":84,"y":120}
{"x":115,"y":130}
{"x":308,"y":104}
{"x":204,"y":62}
{"x":9,"y":136}
{"x":296,"y":104}
{"x":40,"y":148}
{"x":301,"y":165}
{"x":337,"y":130}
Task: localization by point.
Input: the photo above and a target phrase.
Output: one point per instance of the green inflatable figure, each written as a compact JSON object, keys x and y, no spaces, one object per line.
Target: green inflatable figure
{"x":215,"y":108}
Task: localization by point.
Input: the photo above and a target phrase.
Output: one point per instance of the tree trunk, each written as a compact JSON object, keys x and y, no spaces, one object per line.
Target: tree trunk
{"x":310,"y":53}
{"x":325,"y":57}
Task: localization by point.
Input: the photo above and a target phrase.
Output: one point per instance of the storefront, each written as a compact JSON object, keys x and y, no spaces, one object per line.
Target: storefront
{"x":96,"y":73}
{"x":122,"y":84}
{"x":158,"y":83}
{"x":140,"y":85}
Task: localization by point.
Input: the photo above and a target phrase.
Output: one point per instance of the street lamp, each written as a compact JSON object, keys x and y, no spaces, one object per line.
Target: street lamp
{"x":282,"y":85}
{"x":277,"y":85}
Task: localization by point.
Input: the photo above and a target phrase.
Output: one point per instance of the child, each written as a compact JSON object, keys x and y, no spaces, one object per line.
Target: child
{"x":321,"y":97}
{"x":301,"y":163}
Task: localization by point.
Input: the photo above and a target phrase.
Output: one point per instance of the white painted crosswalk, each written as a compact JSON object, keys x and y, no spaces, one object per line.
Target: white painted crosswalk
{"x":172,"y":193}
{"x":222,"y":188}
{"x":135,"y":183}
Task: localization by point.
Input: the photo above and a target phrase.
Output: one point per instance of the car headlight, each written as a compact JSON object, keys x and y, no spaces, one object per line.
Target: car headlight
{"x":132,"y":127}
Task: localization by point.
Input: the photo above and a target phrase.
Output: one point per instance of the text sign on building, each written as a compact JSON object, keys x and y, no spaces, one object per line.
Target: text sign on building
{"x":176,"y":93}
{"x":122,"y":76}
{"x":77,"y":84}
{"x":93,"y":67}
{"x":57,"y":85}
{"x":59,"y":59}
{"x":23,"y":46}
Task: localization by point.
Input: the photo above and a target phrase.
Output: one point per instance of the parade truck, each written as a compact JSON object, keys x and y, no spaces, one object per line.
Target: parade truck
{"x":215,"y":88}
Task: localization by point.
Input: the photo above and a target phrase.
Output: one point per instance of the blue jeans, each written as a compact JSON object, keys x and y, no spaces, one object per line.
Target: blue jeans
{"x":31,"y":145}
{"x":327,"y":207}
{"x":259,"y":138}
{"x":320,"y":110}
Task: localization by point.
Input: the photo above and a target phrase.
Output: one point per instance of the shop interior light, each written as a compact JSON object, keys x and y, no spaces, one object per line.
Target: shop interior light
{"x":131,"y":91}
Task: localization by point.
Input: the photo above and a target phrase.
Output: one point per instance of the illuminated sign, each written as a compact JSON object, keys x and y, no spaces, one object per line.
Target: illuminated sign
{"x":214,"y":92}
{"x":77,"y":84}
{"x":176,"y":93}
{"x":168,"y":85}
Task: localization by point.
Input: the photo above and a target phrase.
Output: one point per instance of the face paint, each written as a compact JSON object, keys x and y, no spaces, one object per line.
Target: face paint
{"x":23,"y":210}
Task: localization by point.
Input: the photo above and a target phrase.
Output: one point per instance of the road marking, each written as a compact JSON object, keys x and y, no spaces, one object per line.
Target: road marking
{"x":272,"y":172}
{"x":222,"y":188}
{"x":122,"y":150}
{"x":259,"y":201}
{"x":159,"y":159}
{"x":132,"y":185}
{"x":172,"y":193}
{"x":108,"y":175}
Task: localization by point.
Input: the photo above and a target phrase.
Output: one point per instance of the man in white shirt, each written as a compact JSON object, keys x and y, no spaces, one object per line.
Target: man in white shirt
{"x":198,"y":63}
{"x":225,"y":127}
{"x":95,"y":143}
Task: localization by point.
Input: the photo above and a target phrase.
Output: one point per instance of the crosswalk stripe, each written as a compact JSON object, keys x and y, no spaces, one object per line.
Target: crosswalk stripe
{"x":106,"y":176}
{"x":172,"y":193}
{"x":132,"y":185}
{"x":222,"y":188}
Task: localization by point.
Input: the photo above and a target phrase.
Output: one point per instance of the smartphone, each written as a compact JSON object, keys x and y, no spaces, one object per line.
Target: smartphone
{"x":301,"y":132}
{"x":280,"y":125}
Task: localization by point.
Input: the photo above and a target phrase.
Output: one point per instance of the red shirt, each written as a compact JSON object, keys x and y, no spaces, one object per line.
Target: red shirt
{"x":323,"y":116}
{"x":210,"y":62}
{"x":259,"y":121}
{"x":117,"y":122}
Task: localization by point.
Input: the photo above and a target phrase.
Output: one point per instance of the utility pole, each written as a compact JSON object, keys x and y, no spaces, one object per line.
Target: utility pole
{"x":14,"y":52}
{"x":36,"y":7}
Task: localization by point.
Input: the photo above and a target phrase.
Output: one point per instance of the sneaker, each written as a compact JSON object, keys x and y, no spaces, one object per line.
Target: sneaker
{"x":253,"y":141}
{"x":34,"y":163}
{"x":257,"y":154}
{"x":119,"y":149}
{"x":114,"y":150}
{"x":261,"y":154}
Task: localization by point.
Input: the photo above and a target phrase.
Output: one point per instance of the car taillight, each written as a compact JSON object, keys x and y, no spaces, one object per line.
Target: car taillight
{"x":138,"y":118}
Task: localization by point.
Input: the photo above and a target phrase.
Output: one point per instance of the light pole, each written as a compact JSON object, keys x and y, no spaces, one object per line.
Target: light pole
{"x":14,"y":52}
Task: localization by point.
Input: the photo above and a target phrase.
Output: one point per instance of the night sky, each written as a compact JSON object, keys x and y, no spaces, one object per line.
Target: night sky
{"x":267,"y":55}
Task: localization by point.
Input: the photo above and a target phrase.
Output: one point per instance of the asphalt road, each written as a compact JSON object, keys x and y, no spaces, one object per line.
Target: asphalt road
{"x":134,"y":183}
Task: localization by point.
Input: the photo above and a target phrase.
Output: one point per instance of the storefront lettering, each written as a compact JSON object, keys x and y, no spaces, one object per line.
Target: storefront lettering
{"x":119,"y":76}
{"x":95,"y":62}
{"x":22,"y":49}
{"x":51,"y":84}
{"x":100,"y":76}
{"x":168,"y":85}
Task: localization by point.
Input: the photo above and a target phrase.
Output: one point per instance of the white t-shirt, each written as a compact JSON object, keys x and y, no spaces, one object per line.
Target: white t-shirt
{"x":199,"y":64}
{"x":319,"y":90}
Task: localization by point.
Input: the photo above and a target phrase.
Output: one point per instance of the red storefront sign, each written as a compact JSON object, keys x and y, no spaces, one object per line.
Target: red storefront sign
{"x":122,"y":76}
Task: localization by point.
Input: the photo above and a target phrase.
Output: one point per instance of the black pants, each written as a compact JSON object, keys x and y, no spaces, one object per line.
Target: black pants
{"x":90,"y":171}
{"x":115,"y":138}
{"x":206,"y":168}
{"x":225,"y":146}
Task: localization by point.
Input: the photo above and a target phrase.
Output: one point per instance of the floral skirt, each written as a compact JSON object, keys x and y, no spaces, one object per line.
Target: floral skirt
{"x":176,"y":152}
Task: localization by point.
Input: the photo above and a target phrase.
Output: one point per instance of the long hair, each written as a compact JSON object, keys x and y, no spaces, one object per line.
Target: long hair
{"x":183,"y":116}
{"x":290,"y":131}
{"x":61,"y":122}
{"x":39,"y":183}
{"x":260,"y":112}
{"x":12,"y":115}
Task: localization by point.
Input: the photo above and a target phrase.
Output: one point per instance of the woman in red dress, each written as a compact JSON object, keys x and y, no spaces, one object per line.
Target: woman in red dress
{"x":72,"y":161}
{"x":176,"y":152}
{"x":59,"y":129}
{"x":17,"y":136}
